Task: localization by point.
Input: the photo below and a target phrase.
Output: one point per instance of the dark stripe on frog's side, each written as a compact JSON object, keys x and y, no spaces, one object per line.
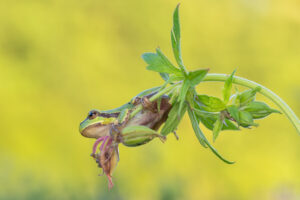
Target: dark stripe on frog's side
{"x":107,"y":115}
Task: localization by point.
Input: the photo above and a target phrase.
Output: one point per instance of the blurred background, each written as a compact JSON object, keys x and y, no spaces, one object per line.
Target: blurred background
{"x":59,"y":59}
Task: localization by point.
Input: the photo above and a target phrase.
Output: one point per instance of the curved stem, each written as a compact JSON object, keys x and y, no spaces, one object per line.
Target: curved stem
{"x":264,"y":91}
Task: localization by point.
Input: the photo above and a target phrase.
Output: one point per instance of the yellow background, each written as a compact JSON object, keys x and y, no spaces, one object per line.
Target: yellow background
{"x":59,"y":59}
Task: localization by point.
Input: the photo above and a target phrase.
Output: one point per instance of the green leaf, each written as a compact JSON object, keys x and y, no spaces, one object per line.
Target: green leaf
{"x":197,"y":76}
{"x":234,"y":112}
{"x":227,"y":88}
{"x":175,"y":78}
{"x":190,"y":97}
{"x":173,"y":119}
{"x":158,"y":64}
{"x":208,"y":119}
{"x":228,"y":125}
{"x":174,"y":95}
{"x":201,"y":137}
{"x":248,"y":96}
{"x":210,"y":103}
{"x":195,"y":125}
{"x":164,"y":76}
{"x":167,"y":62}
{"x":175,"y":37}
{"x":182,"y":94}
{"x":217,"y":128}
{"x":259,"y":109}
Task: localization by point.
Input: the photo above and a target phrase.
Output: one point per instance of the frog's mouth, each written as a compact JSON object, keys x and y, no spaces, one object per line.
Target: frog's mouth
{"x":95,"y":130}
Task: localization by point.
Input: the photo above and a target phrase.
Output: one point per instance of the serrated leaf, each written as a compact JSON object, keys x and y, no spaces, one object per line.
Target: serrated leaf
{"x":227,"y":88}
{"x":210,"y":103}
{"x":175,"y":37}
{"x":234,"y":112}
{"x":151,"y":58}
{"x":157,"y":64}
{"x":201,"y":137}
{"x":259,"y":109}
{"x":217,"y":128}
{"x":197,"y":76}
{"x":248,"y":96}
{"x":173,"y":119}
{"x":166,"y":61}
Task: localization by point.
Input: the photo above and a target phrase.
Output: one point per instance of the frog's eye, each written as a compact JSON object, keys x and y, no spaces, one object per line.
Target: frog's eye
{"x":93,"y":114}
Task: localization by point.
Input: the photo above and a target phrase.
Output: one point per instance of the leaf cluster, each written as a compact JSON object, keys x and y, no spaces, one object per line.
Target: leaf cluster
{"x":230,"y":113}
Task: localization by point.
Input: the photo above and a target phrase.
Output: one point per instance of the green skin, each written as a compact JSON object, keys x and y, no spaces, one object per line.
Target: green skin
{"x":101,"y":123}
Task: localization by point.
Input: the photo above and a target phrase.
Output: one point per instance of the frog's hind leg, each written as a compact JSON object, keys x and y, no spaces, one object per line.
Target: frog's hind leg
{"x":96,"y":144}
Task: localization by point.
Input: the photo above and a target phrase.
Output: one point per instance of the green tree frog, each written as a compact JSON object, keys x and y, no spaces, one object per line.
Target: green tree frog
{"x":107,"y":127}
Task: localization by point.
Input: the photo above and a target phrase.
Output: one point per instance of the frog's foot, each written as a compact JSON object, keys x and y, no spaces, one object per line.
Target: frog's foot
{"x":147,"y":104}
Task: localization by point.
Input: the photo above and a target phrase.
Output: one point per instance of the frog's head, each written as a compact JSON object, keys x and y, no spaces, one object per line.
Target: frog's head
{"x":95,"y":125}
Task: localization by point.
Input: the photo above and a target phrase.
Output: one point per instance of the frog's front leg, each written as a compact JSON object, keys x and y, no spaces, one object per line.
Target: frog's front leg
{"x":115,"y":132}
{"x":146,"y":103}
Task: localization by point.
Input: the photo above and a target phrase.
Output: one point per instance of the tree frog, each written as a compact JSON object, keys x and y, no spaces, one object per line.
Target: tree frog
{"x":101,"y":123}
{"x":107,"y":127}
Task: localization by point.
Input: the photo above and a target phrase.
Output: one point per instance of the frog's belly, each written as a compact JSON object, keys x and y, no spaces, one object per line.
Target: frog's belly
{"x":96,"y":131}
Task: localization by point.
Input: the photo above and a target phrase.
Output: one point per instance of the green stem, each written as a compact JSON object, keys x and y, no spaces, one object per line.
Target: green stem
{"x":153,"y":98}
{"x":264,"y":91}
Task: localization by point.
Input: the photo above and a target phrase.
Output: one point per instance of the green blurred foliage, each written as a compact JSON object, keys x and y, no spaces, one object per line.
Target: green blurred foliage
{"x":59,"y":59}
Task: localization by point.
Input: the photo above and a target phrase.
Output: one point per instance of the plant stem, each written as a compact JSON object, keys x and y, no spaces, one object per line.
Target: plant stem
{"x":153,"y":98}
{"x":264,"y":91}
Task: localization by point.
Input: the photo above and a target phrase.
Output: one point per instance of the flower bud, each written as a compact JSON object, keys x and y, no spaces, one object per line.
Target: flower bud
{"x":138,"y":135}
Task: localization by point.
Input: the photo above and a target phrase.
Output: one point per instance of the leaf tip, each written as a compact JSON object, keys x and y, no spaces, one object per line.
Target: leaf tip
{"x":230,"y":162}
